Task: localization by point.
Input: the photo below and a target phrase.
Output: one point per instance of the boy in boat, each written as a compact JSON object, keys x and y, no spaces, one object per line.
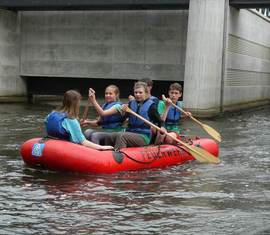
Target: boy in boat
{"x":138,"y":133}
{"x":169,"y":114}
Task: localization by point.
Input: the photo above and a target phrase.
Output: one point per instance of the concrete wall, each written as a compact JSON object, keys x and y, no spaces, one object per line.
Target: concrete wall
{"x":204,"y":56}
{"x":10,"y":82}
{"x":247,"y":80}
{"x":104,"y":44}
{"x":136,"y":44}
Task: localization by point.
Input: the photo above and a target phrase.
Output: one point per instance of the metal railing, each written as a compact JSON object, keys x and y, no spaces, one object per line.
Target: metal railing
{"x":264,"y":11}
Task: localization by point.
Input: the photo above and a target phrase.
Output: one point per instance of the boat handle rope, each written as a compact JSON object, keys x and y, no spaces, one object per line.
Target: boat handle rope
{"x":138,"y":161}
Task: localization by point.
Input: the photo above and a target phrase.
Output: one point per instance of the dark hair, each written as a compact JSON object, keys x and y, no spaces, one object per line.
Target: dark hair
{"x":148,"y":81}
{"x":70,"y":103}
{"x":176,"y":86}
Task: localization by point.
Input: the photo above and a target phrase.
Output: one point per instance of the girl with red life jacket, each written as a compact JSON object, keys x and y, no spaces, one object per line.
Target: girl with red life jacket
{"x":64,"y":124}
{"x":110,"y":118}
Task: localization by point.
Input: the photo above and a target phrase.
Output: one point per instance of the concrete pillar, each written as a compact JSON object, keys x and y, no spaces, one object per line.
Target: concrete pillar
{"x":204,"y":57}
{"x":12,"y":87}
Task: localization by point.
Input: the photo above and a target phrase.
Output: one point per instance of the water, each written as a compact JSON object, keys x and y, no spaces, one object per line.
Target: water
{"x":230,"y":198}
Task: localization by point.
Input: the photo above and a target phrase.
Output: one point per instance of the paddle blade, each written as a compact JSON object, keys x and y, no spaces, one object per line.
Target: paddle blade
{"x":211,"y":131}
{"x":202,"y":155}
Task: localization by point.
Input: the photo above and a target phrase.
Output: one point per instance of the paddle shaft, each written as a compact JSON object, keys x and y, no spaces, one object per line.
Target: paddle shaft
{"x":211,"y":131}
{"x":85,"y":112}
{"x":185,"y":112}
{"x":198,"y":153}
{"x":158,"y":128}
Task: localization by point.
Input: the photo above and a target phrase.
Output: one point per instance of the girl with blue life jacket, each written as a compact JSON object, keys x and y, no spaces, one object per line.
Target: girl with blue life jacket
{"x":110,"y":118}
{"x":170,"y":114}
{"x":138,"y":133}
{"x":63,"y":123}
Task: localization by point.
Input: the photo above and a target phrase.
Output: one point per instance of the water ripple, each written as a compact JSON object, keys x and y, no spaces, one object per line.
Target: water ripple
{"x":230,"y":198}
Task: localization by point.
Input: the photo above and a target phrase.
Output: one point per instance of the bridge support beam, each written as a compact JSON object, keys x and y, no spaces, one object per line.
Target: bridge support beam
{"x":12,"y":87}
{"x":204,"y":57}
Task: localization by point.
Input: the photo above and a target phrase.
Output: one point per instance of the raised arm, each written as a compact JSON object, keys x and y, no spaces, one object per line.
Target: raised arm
{"x":100,"y":111}
{"x":165,"y":109}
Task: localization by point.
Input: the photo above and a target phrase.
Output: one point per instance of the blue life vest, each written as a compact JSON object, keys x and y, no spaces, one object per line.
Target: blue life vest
{"x":111,"y":121}
{"x":155,"y":99}
{"x":54,"y":126}
{"x":174,"y":115}
{"x":136,"y":125}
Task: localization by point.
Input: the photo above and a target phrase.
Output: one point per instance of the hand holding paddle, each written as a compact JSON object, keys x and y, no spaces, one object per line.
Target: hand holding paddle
{"x":211,"y":131}
{"x":198,"y":153}
{"x":91,"y":95}
{"x":131,"y":97}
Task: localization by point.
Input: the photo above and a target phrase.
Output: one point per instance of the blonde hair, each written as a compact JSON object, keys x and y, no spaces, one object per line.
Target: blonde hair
{"x":139,"y":85}
{"x":116,"y":90}
{"x":70,"y":104}
{"x":176,"y":86}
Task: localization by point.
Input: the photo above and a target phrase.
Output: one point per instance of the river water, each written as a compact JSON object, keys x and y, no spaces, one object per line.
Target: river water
{"x":230,"y":198}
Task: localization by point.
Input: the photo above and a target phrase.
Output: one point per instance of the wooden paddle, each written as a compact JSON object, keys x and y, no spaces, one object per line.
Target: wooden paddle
{"x":85,"y":112}
{"x":198,"y":153}
{"x":211,"y":131}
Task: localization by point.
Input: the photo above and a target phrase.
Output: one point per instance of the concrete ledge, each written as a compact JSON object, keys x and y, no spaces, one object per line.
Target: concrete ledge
{"x":215,"y":111}
{"x":13,"y":99}
{"x":204,"y":113}
{"x":247,"y":105}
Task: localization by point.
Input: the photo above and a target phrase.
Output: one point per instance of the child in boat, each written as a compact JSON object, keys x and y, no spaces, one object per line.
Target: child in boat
{"x":149,"y":84}
{"x":64,"y":124}
{"x":110,"y":118}
{"x":170,"y":114}
{"x":138,"y":133}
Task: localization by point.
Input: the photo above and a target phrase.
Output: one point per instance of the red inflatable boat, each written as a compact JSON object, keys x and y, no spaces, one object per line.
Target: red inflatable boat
{"x":66,"y":156}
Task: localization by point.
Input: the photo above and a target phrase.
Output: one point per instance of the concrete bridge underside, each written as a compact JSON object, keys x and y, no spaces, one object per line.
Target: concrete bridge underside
{"x":220,"y":53}
{"x":26,"y":5}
